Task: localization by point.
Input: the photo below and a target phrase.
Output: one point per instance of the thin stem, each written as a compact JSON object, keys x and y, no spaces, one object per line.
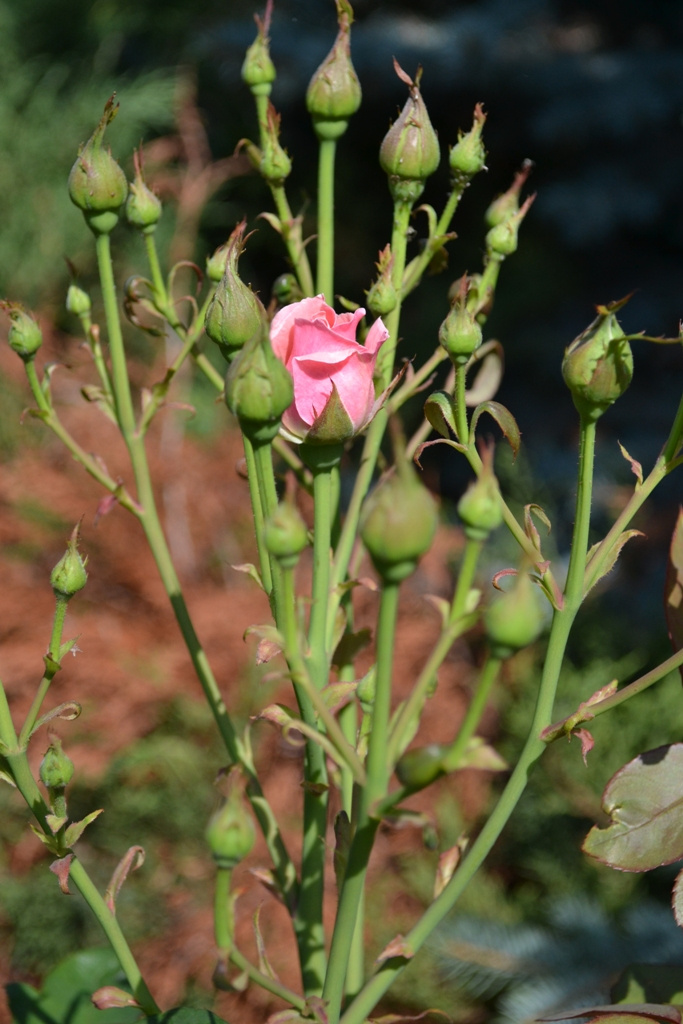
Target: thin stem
{"x":160,"y":295}
{"x":41,"y":401}
{"x":293,"y":999}
{"x":263,"y":459}
{"x":322,"y":530}
{"x":326,"y":157}
{"x":475,"y":710}
{"x":460,"y":404}
{"x":366,"y":825}
{"x":258,"y":514}
{"x":119,"y":371}
{"x":223,"y":916}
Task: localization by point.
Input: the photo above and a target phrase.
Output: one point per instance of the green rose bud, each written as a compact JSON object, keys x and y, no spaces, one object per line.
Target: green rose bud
{"x":97,"y":185}
{"x":501,"y":240}
{"x":258,"y":389}
{"x":286,"y":290}
{"x":480,"y":507}
{"x":598,"y":365}
{"x":460,"y":333}
{"x":398,"y":523}
{"x":421,"y":766}
{"x":78,"y":301}
{"x":24,"y":336}
{"x":275,"y":164}
{"x":235,"y":313}
{"x":410,"y":150}
{"x":56,"y":769}
{"x":514,"y":620}
{"x":285,"y":534}
{"x":382,"y":297}
{"x":69,"y":575}
{"x":334,"y":93}
{"x":468,"y":156}
{"x":143,"y":207}
{"x":258,"y":70}
{"x":230,"y":833}
{"x":507,"y":204}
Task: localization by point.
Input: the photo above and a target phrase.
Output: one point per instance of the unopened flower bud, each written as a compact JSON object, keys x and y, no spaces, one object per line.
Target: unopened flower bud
{"x":258,"y":70}
{"x":460,"y":333}
{"x":507,"y":204}
{"x":143,"y":207}
{"x":398,"y":523}
{"x":97,"y":185}
{"x":275,"y":164}
{"x":334,"y":92}
{"x":230,"y":833}
{"x":480,"y":508}
{"x":24,"y":336}
{"x":468,"y":156}
{"x":501,"y":240}
{"x":286,"y":290}
{"x":598,"y":365}
{"x":56,"y":769}
{"x":421,"y":766}
{"x":514,"y":620}
{"x":382,"y":297}
{"x":410,"y":150}
{"x":258,"y":389}
{"x":69,"y":575}
{"x":285,"y":534}
{"x":235,"y":313}
{"x":78,"y":301}
{"x":215,"y":264}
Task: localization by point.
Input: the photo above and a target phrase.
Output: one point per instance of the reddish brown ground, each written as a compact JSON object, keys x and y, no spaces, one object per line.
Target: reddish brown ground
{"x":124,"y":617}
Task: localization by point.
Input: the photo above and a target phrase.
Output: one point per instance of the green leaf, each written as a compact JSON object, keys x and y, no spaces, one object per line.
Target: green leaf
{"x":505,"y":420}
{"x":77,"y":828}
{"x":489,"y":375}
{"x":616,"y":549}
{"x":623,"y":1013}
{"x":673,"y":587}
{"x":645,"y":802}
{"x":649,"y":983}
{"x":439,"y":413}
{"x":66,"y":993}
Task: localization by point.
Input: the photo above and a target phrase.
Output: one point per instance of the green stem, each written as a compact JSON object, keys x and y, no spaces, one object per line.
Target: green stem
{"x":258,"y":514}
{"x":36,"y":390}
{"x":366,"y":825}
{"x":160,"y":295}
{"x":460,"y":404}
{"x":417,"y":267}
{"x":474,"y":711}
{"x":292,"y":998}
{"x":223,"y":916}
{"x":8,"y":734}
{"x":123,"y":401}
{"x":322,"y":460}
{"x":263,"y":458}
{"x":326,"y":158}
{"x":308,"y":919}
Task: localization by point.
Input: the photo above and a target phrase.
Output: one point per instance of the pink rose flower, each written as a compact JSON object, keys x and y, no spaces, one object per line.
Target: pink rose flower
{"x":334,"y":393}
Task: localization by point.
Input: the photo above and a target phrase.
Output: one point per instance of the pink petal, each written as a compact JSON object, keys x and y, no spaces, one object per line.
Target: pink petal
{"x":315,"y":340}
{"x":281,"y":337}
{"x":376,"y":336}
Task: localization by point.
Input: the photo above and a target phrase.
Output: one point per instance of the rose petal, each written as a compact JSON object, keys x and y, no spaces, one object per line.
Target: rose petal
{"x":281,"y":337}
{"x":376,"y":336}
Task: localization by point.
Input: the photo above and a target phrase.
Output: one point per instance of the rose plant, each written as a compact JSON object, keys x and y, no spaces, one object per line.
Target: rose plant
{"x":302,"y":388}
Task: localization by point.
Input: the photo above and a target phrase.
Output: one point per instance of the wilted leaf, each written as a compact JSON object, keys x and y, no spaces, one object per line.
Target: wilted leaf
{"x":636,"y":467}
{"x":448,"y":862}
{"x":615,"y":551}
{"x":673,"y":587}
{"x":112,"y":998}
{"x":397,"y":947}
{"x":69,"y":710}
{"x":645,"y":802}
{"x":480,"y":755}
{"x":505,"y":420}
{"x":532,"y":533}
{"x":263,"y":961}
{"x":622,"y":1013}
{"x":677,"y":899}
{"x":338,"y":695}
{"x":251,"y":571}
{"x":61,"y":869}
{"x":133,"y":859}
{"x":587,"y":743}
{"x":488,"y":377}
{"x":270,"y":642}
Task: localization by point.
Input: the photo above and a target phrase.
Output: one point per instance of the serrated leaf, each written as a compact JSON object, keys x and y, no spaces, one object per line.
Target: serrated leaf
{"x":132,"y":859}
{"x":440,"y":414}
{"x":645,"y":803}
{"x":77,"y":828}
{"x":505,"y":420}
{"x":636,"y":467}
{"x":489,"y":375}
{"x":673,"y":587}
{"x":613,"y":556}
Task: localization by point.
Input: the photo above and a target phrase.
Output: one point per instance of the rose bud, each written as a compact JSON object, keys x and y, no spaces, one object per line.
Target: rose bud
{"x":334,"y":92}
{"x":78,"y":301}
{"x":398,"y":523}
{"x":507,"y":204}
{"x":514,"y":620}
{"x":230,"y":833}
{"x":286,"y":289}
{"x":97,"y":185}
{"x":421,"y":766}
{"x":334,"y":391}
{"x":479,"y":508}
{"x":598,"y":365}
{"x":24,"y":336}
{"x":460,"y":333}
{"x":501,"y":240}
{"x":258,"y":389}
{"x":410,"y":150}
{"x":382,"y":297}
{"x":258,"y":70}
{"x":235,"y":313}
{"x":143,"y":207}
{"x":275,"y":165}
{"x":56,"y":769}
{"x":468,"y":156}
{"x":69,"y":575}
{"x":285,"y":534}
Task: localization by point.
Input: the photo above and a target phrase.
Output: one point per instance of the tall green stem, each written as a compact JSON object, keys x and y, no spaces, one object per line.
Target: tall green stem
{"x":326,"y":157}
{"x":258,"y":514}
{"x":366,"y":825}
